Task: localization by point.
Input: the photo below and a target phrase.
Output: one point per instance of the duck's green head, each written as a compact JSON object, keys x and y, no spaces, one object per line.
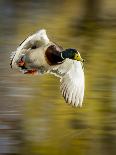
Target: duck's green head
{"x":72,"y":54}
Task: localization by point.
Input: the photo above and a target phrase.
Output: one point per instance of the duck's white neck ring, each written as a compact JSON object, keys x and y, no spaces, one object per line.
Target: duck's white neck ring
{"x":62,"y":56}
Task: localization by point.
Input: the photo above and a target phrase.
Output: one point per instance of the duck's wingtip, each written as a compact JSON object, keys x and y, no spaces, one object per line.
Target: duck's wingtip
{"x":41,"y":35}
{"x":41,"y":31}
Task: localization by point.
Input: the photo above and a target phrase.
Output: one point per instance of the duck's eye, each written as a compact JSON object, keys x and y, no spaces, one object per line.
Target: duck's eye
{"x":34,"y":47}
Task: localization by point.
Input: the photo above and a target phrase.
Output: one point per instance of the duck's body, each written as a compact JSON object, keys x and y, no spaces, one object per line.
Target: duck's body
{"x":38,"y":55}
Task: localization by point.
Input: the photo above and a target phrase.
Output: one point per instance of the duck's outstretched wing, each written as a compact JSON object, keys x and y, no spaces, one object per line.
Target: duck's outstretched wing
{"x":72,"y":81}
{"x":36,"y":40}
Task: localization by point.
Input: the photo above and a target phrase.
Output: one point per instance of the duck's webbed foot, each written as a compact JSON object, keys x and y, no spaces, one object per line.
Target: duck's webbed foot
{"x":24,"y":69}
{"x":31,"y":71}
{"x":21,"y":62}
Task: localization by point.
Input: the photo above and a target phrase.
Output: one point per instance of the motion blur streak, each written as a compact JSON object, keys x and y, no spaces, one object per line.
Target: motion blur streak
{"x":34,"y":118}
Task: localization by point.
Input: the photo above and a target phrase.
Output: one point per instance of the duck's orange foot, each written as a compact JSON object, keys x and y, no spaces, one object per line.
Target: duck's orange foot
{"x":31,"y":71}
{"x":21,"y":62}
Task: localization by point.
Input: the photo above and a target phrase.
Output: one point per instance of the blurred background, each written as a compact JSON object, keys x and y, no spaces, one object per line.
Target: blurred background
{"x":34,"y":119}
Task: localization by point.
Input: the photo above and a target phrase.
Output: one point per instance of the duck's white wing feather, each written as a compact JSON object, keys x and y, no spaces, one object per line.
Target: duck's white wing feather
{"x":72,"y":81}
{"x":39,"y":39}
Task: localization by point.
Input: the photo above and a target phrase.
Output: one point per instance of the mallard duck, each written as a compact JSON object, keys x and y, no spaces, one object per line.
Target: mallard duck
{"x":38,"y":55}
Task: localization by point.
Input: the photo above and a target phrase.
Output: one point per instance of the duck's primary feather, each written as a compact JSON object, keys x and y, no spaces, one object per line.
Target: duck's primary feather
{"x":38,"y":54}
{"x":72,"y":81}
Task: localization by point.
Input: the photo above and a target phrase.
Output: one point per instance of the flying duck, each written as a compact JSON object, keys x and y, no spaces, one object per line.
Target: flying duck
{"x":38,"y":55}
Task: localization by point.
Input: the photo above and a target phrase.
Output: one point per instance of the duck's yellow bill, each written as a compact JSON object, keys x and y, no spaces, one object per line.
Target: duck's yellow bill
{"x":78,"y":57}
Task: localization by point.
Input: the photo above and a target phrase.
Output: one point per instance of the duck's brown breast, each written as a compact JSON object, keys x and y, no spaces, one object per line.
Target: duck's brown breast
{"x":53,"y":55}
